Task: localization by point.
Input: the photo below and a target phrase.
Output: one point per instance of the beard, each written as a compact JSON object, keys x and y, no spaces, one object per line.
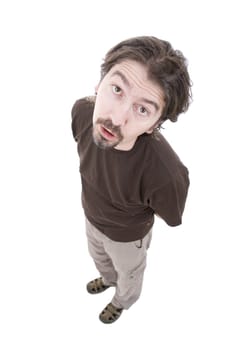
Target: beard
{"x":106,"y":135}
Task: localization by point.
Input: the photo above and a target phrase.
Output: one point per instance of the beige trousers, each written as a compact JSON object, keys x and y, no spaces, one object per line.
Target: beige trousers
{"x":121,"y":264}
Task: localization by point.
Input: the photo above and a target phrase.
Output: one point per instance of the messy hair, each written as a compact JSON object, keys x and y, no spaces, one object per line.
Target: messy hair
{"x":165,"y":66}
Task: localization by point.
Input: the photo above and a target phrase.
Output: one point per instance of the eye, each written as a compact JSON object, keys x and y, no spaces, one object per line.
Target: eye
{"x":143,"y":111}
{"x":116,"y":90}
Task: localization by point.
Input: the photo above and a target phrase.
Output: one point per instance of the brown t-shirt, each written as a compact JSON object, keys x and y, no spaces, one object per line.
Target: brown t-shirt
{"x":122,"y":190}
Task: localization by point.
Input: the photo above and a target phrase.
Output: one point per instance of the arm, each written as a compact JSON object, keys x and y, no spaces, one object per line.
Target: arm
{"x":79,"y":113}
{"x":168,"y":202}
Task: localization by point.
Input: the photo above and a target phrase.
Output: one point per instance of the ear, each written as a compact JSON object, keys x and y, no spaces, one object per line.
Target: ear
{"x":149,"y":131}
{"x":153,"y":127}
{"x":96,"y":88}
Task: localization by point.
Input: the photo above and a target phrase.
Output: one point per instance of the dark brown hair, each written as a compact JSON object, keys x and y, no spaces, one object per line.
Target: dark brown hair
{"x":166,"y":67}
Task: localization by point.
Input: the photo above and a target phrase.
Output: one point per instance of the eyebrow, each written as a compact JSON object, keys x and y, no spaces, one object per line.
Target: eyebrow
{"x":122,"y":76}
{"x":126,"y":82}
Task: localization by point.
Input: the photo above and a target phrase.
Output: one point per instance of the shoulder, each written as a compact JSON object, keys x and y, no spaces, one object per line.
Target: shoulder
{"x":82,"y":112}
{"x":163,"y":160}
{"x":82,"y":105}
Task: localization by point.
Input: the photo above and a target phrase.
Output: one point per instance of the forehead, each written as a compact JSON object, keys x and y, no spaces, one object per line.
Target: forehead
{"x":131,"y":67}
{"x":134,"y":75}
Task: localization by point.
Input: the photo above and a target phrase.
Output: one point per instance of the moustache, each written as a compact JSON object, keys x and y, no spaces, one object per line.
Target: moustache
{"x":108,"y":124}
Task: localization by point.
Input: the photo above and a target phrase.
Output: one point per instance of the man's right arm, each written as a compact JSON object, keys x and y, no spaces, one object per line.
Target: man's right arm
{"x":74,"y":123}
{"x":79,"y":112}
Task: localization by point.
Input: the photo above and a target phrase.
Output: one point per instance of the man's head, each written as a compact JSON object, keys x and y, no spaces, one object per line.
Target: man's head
{"x":144,"y":82}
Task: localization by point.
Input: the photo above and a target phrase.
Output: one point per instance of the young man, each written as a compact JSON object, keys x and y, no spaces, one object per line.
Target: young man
{"x":128,"y":170}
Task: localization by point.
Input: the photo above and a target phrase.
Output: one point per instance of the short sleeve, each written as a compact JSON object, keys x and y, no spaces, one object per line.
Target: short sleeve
{"x":81,"y":109}
{"x":169,"y":201}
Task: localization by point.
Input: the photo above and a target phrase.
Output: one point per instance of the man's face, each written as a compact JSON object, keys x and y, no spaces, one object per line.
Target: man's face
{"x":127,"y":105}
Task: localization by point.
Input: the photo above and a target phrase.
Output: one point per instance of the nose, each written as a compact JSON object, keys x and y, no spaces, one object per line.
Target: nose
{"x":120,"y":115}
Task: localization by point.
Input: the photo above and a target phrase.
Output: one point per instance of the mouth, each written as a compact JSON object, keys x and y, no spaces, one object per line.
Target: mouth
{"x":106,"y":133}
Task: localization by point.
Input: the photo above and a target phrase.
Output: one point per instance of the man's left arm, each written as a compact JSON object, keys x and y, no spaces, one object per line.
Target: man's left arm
{"x":168,"y":202}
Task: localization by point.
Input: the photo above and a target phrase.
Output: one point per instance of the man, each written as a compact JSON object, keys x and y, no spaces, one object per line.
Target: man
{"x":128,"y":170}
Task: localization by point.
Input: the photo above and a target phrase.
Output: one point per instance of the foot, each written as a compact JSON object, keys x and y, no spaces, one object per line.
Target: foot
{"x":110,"y":314}
{"x":96,"y":286}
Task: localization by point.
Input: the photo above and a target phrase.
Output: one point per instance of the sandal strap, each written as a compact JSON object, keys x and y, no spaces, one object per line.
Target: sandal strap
{"x":110,"y":313}
{"x":96,"y":286}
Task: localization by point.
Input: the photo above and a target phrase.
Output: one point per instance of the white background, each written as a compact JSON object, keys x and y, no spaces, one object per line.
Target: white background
{"x":50,"y":56}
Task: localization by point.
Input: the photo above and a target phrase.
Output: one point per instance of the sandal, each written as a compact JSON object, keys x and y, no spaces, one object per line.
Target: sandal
{"x":96,"y":286}
{"x":110,"y":314}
